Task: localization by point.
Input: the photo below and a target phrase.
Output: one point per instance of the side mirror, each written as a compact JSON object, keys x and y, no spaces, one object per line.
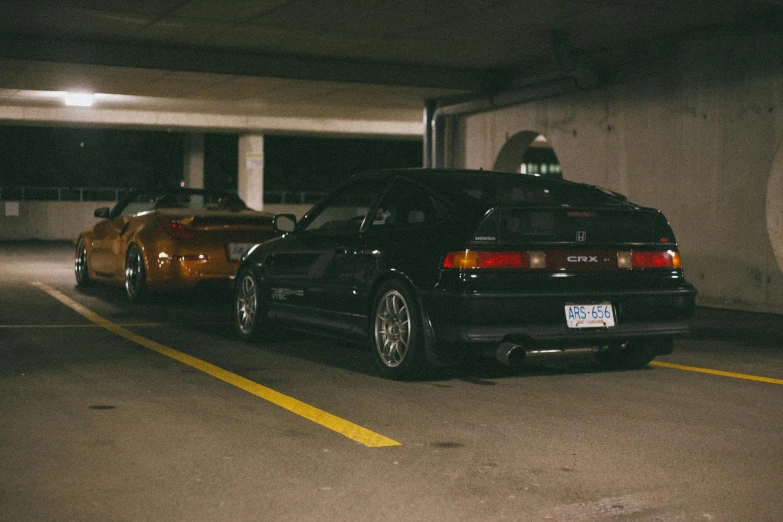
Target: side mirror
{"x":102,"y":212}
{"x":285,"y":222}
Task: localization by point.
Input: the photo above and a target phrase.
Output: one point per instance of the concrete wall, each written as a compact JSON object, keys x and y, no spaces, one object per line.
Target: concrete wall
{"x":64,"y":220}
{"x":49,"y":220}
{"x":696,"y":137}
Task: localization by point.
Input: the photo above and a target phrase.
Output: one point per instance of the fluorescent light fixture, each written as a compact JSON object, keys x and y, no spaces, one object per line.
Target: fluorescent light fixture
{"x":79,"y":99}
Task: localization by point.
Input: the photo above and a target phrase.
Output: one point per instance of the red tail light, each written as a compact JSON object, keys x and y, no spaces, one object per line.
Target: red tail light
{"x":665,"y":259}
{"x":563,"y":260}
{"x":501,"y":260}
{"x":468,"y":259}
{"x":177,"y":230}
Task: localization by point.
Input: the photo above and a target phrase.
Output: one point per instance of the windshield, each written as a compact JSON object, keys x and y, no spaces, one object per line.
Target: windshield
{"x":143,"y":201}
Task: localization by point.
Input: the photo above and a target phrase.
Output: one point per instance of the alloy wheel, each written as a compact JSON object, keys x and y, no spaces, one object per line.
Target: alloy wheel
{"x":134,"y":273}
{"x":392,"y":328}
{"x":80,"y":264}
{"x":246,"y":302}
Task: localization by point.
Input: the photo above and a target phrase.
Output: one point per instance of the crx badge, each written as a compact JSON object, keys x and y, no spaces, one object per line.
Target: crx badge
{"x":581,"y":235}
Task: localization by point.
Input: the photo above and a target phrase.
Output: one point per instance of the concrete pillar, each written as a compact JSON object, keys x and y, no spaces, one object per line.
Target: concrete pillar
{"x":429,"y":112}
{"x":194,"y":160}
{"x":250,"y":182}
{"x":775,"y":207}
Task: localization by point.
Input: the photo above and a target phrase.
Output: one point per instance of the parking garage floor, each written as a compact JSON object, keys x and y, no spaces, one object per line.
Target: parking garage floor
{"x":112,"y":411}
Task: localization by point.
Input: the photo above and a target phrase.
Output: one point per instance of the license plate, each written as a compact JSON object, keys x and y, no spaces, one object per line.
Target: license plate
{"x":599,"y":315}
{"x":237,"y":250}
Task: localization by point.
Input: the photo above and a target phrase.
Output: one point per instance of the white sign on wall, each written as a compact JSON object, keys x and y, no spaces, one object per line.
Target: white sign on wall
{"x":254,"y":160}
{"x":11,"y":208}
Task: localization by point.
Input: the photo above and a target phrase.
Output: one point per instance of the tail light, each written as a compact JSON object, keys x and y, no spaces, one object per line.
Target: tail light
{"x":467,"y":259}
{"x":177,"y":230}
{"x":563,"y":260}
{"x":659,"y":259}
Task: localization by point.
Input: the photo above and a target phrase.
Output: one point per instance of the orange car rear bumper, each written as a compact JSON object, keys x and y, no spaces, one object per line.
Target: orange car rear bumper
{"x":182,"y":272}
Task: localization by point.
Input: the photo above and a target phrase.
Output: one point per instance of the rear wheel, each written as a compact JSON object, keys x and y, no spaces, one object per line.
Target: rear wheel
{"x":399,"y":339}
{"x":633,"y":354}
{"x":135,"y":274}
{"x":250,"y":318}
{"x":80,"y":264}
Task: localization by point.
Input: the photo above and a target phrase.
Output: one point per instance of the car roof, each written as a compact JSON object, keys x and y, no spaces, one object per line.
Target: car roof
{"x":450,"y":182}
{"x":435,"y":177}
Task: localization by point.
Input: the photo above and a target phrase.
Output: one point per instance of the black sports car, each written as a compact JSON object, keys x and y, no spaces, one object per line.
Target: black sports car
{"x":426,"y":264}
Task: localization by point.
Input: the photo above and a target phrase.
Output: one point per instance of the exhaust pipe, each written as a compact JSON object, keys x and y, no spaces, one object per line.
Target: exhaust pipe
{"x":510,"y":354}
{"x":514,"y":355}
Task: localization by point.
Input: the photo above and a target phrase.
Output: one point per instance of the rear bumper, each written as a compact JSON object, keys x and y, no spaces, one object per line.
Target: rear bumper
{"x":538,"y":336}
{"x":538,"y":319}
{"x":175,"y":274}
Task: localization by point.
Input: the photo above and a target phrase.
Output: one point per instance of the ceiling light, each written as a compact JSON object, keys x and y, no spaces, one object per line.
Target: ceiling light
{"x":79,"y":99}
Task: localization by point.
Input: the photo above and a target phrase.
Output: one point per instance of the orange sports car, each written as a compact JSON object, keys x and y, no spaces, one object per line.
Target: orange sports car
{"x":168,"y":240}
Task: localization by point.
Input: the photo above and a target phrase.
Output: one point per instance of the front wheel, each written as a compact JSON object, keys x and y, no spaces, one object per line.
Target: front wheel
{"x":250,"y":317}
{"x":80,"y":264}
{"x":135,"y":274}
{"x":400,"y":342}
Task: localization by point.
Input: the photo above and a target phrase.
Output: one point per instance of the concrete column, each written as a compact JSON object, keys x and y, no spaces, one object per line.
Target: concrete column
{"x":194,"y":160}
{"x":250,"y":182}
{"x":775,"y":207}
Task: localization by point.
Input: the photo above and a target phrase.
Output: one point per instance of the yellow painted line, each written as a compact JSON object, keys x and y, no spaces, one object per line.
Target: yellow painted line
{"x":143,"y":325}
{"x":352,"y":431}
{"x":717,"y":372}
{"x":75,"y":325}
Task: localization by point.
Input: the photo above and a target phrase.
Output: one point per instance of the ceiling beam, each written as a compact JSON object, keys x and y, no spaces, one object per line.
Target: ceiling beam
{"x":248,"y":64}
{"x":193,"y":121}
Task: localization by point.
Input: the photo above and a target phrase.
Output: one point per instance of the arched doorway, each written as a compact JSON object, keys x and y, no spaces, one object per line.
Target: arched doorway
{"x":529,"y":152}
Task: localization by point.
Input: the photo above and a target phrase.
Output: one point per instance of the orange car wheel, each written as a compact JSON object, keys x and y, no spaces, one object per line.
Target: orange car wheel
{"x":135,"y":274}
{"x":80,"y":264}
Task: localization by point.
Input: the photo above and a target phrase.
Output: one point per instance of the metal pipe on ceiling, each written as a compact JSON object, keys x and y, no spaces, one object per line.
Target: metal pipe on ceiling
{"x":575,"y":78}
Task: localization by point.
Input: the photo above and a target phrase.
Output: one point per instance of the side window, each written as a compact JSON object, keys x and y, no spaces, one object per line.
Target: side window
{"x":408,"y":205}
{"x":347,"y":210}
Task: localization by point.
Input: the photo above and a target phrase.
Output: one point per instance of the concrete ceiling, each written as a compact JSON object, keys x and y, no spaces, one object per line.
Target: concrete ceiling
{"x":237,"y":64}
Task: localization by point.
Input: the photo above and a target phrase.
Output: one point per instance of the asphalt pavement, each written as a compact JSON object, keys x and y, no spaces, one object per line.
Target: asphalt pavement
{"x":112,"y":411}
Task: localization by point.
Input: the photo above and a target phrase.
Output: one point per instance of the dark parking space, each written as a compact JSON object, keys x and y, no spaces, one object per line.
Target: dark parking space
{"x":103,"y":422}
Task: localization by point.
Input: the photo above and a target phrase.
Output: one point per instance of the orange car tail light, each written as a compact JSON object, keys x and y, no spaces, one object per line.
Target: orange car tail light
{"x":468,"y":259}
{"x":664,"y":259}
{"x":177,"y":230}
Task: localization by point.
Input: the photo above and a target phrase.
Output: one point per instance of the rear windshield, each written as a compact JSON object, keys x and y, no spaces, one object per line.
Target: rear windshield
{"x":492,"y":190}
{"x":510,"y":226}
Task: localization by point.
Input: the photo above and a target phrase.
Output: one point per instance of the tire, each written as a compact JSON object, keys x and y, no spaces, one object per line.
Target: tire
{"x":632,"y":355}
{"x":250,"y":312}
{"x":80,"y":264}
{"x":398,"y":336}
{"x":135,"y":274}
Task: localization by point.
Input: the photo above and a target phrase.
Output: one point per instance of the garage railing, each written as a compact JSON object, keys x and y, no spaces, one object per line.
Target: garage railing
{"x":114,"y":194}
